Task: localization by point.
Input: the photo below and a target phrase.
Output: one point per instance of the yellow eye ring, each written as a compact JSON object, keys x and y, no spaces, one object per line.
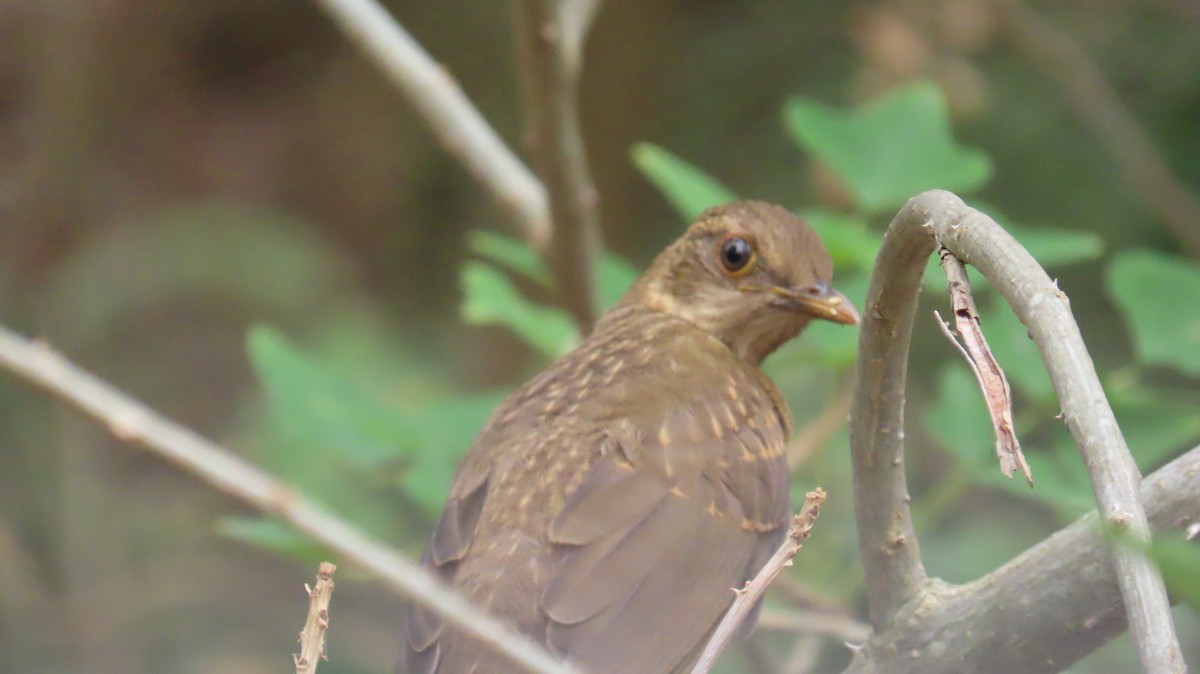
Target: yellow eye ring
{"x":736,"y":254}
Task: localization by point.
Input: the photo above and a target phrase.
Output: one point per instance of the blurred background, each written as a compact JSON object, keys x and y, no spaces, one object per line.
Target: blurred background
{"x":224,"y":209}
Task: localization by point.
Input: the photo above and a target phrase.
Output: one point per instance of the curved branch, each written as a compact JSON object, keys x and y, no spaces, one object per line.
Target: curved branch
{"x":550,"y":39}
{"x":886,"y":538}
{"x":877,"y":432}
{"x":1037,"y":614}
{"x":133,"y":422}
{"x":1044,"y":309}
{"x":454,"y":121}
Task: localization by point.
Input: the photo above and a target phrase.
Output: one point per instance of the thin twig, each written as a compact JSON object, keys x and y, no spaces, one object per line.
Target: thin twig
{"x":993,"y":383}
{"x":749,"y":596}
{"x":312,"y":637}
{"x":551,"y":37}
{"x":1098,"y":105}
{"x":803,"y":596}
{"x":1039,"y":613}
{"x":809,"y":440}
{"x":133,"y":422}
{"x":941,"y":217}
{"x":454,"y":121}
{"x":822,"y":623}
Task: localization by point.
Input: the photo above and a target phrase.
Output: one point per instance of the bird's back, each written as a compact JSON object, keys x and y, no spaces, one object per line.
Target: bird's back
{"x":611,"y":504}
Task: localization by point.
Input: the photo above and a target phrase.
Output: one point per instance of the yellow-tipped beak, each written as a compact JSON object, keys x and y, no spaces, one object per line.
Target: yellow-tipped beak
{"x":821,"y":302}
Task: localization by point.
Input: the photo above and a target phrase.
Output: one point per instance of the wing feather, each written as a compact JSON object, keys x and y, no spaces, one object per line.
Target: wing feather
{"x":652,"y":547}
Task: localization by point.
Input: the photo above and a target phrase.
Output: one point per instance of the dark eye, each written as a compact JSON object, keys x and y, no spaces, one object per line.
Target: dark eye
{"x":736,"y":254}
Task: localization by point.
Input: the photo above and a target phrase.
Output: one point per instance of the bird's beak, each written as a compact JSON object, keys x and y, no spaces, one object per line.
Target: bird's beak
{"x":820,"y":301}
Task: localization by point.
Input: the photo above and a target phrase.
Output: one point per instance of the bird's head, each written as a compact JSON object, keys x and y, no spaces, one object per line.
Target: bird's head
{"x":748,"y":273}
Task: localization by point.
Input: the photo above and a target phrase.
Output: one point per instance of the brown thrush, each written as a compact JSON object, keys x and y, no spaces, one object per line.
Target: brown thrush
{"x":611,"y":503}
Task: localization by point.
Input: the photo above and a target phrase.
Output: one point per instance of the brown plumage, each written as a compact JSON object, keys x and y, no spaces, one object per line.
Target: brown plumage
{"x":612,"y":502}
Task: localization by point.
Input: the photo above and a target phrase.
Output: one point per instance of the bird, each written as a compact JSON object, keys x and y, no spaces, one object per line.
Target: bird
{"x":610,"y":505}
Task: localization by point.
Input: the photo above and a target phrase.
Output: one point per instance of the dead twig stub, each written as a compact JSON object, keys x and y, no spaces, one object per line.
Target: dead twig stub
{"x":312,"y":637}
{"x":988,"y":373}
{"x":749,"y":595}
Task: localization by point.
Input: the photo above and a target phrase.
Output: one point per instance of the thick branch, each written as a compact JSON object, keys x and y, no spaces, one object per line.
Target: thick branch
{"x":456,"y":123}
{"x":133,"y":422}
{"x":551,"y":36}
{"x":1097,"y":103}
{"x":1037,"y":614}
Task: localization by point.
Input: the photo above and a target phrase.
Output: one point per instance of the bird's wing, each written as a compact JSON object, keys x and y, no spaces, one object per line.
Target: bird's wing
{"x":667,"y":523}
{"x":449,"y":544}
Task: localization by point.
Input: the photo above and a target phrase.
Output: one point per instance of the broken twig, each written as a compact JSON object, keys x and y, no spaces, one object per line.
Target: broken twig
{"x":748,"y":596}
{"x":975,"y":350}
{"x":312,"y":637}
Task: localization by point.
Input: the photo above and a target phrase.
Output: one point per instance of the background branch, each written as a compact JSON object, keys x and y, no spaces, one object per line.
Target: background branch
{"x":551,"y":34}
{"x":131,"y":421}
{"x":1097,"y":103}
{"x":1040,"y":612}
{"x":822,"y":623}
{"x":808,"y":440}
{"x":456,"y":123}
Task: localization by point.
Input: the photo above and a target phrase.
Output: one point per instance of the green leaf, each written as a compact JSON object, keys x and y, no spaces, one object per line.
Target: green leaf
{"x":689,"y":189}
{"x":1015,"y":351}
{"x":1154,"y":425}
{"x":269,"y":535}
{"x":1179,"y":562}
{"x":959,"y":418}
{"x":444,"y":431}
{"x":1157,"y":294}
{"x":616,"y":275}
{"x":1053,"y":247}
{"x":852,"y":245}
{"x":319,"y":411}
{"x":337,"y":438}
{"x":489,"y":298}
{"x":891,"y":149}
{"x":510,"y":252}
{"x":1060,"y":478}
{"x":1176,"y":557}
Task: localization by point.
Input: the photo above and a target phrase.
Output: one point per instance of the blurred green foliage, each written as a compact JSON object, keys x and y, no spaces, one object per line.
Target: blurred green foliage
{"x":890,"y":149}
{"x":176,"y":172}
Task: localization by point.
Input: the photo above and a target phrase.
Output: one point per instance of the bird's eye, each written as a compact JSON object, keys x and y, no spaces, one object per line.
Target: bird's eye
{"x":736,"y":254}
